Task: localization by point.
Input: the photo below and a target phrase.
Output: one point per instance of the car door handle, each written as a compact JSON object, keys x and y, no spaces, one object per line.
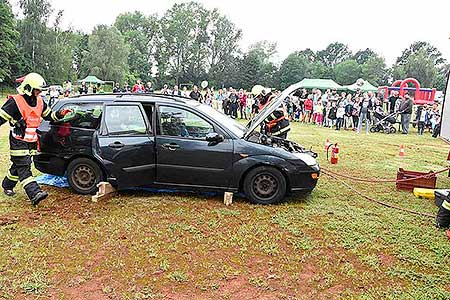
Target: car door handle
{"x":116,"y":145}
{"x":171,"y":146}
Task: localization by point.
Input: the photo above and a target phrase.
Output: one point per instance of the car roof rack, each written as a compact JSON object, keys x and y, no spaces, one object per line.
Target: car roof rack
{"x":176,"y":98}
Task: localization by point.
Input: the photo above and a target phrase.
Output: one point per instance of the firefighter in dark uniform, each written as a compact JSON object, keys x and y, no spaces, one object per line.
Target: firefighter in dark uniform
{"x":277,"y":123}
{"x":24,"y":112}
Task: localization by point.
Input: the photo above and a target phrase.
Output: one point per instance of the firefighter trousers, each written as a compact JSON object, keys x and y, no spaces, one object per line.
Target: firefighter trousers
{"x":20,"y":170}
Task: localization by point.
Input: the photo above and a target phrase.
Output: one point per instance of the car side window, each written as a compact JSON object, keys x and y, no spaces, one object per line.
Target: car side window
{"x":182,"y":123}
{"x":124,"y":120}
{"x":88,"y":115}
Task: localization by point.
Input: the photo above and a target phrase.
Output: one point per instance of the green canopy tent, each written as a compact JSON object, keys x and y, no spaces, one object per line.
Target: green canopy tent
{"x":92,"y":79}
{"x":323,"y":84}
{"x":362,"y":85}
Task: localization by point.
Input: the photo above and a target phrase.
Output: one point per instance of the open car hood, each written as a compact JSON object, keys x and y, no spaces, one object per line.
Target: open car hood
{"x":274,"y":104}
{"x":445,"y":115}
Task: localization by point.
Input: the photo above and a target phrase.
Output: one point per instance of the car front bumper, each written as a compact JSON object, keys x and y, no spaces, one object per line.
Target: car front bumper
{"x":304,"y":179}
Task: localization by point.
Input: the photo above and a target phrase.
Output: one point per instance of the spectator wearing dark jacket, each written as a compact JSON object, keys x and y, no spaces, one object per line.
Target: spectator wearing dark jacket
{"x":406,"y":107}
{"x":195,"y":94}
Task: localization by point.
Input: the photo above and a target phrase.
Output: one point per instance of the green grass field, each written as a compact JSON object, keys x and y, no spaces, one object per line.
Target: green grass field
{"x":329,"y":245}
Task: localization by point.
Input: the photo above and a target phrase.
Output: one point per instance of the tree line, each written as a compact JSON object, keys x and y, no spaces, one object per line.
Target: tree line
{"x":186,"y":45}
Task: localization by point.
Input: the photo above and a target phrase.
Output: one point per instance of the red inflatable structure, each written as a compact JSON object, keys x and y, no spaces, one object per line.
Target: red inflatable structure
{"x":421,"y":95}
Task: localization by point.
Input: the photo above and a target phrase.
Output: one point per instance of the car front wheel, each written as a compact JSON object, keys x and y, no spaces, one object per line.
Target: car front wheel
{"x":83,"y":175}
{"x":265,"y":185}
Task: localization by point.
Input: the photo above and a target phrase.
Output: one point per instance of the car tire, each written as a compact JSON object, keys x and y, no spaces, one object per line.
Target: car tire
{"x":83,"y":175}
{"x":265,"y":185}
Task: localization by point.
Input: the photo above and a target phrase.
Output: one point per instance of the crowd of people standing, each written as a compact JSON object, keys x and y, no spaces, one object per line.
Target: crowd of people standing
{"x":359,"y":109}
{"x":325,"y":108}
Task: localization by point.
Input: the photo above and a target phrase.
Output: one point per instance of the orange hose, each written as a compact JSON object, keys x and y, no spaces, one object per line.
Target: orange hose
{"x":378,"y":201}
{"x":374,"y":180}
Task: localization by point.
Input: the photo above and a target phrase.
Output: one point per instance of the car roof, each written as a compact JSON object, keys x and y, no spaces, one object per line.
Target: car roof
{"x":129,"y":97}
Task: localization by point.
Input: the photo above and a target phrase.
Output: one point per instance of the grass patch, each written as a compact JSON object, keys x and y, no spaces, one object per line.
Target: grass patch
{"x":329,"y":244}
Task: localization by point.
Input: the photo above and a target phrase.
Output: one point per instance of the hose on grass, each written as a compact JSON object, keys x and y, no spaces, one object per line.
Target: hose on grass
{"x":363,"y":195}
{"x":375,"y":180}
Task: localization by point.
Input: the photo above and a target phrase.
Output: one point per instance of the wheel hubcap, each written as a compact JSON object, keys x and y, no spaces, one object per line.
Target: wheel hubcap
{"x":84,"y":177}
{"x":265,"y":185}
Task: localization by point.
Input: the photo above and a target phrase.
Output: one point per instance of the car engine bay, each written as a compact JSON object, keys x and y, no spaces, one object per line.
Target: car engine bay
{"x":276,"y":142}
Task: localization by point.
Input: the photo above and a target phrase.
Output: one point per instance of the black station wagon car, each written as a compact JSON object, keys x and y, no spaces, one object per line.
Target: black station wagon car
{"x":160,"y":141}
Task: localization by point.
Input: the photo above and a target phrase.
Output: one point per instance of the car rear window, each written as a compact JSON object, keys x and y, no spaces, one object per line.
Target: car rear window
{"x":88,"y":115}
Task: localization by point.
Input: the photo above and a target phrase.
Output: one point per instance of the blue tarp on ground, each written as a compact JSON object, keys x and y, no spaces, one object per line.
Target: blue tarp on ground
{"x":58,"y":181}
{"x":61,"y":182}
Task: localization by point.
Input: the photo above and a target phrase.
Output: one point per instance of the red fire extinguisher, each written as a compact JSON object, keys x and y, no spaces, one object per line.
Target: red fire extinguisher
{"x":334,"y":153}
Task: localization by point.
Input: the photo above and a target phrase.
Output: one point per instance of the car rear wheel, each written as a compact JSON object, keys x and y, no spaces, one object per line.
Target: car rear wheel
{"x":265,"y":185}
{"x":83,"y":175}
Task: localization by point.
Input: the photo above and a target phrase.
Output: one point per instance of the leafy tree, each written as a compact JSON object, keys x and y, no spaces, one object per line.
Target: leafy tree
{"x":309,"y":54}
{"x":294,"y":68}
{"x":362,"y":56}
{"x":80,"y":54}
{"x":256,"y":67}
{"x":347,"y":72}
{"x":223,"y":38}
{"x":46,"y":49}
{"x":181,"y":51}
{"x":418,"y":65}
{"x":33,"y":30}
{"x":108,"y":53}
{"x":8,"y":40}
{"x":319,"y":70}
{"x":374,"y":70}
{"x":334,"y":54}
{"x":59,"y":58}
{"x":140,"y":33}
{"x":441,"y":78}
{"x":430,"y":51}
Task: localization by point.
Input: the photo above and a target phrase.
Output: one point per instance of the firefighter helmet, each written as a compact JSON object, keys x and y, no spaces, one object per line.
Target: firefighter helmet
{"x":32,"y":81}
{"x":259,"y":90}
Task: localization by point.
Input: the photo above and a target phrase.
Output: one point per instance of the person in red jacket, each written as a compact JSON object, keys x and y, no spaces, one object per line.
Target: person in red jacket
{"x":308,"y":109}
{"x":138,"y":87}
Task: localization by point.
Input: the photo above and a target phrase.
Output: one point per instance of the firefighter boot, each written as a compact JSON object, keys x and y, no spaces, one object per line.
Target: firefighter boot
{"x":39,"y":197}
{"x":8,"y":186}
{"x":34,"y":193}
{"x":443,"y":215}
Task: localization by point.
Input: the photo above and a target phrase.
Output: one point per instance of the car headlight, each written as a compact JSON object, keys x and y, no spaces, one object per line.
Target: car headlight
{"x":306,"y":158}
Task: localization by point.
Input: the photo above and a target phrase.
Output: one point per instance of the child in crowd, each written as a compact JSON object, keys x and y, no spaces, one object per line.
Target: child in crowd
{"x":340,"y":116}
{"x":332,"y":114}
{"x":421,"y":119}
{"x":318,"y":110}
{"x":297,"y":114}
{"x":308,"y":109}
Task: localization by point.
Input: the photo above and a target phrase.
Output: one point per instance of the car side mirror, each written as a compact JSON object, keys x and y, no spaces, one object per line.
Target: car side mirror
{"x":214,"y":138}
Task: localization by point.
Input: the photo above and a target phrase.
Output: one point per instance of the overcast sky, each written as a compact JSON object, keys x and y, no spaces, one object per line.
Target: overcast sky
{"x":387,"y":26}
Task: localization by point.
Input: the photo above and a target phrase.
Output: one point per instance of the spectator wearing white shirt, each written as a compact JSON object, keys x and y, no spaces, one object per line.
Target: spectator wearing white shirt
{"x":340,"y":115}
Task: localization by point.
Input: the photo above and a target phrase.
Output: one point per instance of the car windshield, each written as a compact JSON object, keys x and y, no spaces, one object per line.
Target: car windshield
{"x":226,"y":121}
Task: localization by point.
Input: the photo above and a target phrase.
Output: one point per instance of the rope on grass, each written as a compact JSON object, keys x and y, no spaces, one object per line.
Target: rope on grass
{"x":375,"y":180}
{"x":361,"y":194}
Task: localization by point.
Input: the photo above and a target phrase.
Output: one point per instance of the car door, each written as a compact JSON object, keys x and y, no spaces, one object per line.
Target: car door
{"x":126,"y":145}
{"x":184,"y":157}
